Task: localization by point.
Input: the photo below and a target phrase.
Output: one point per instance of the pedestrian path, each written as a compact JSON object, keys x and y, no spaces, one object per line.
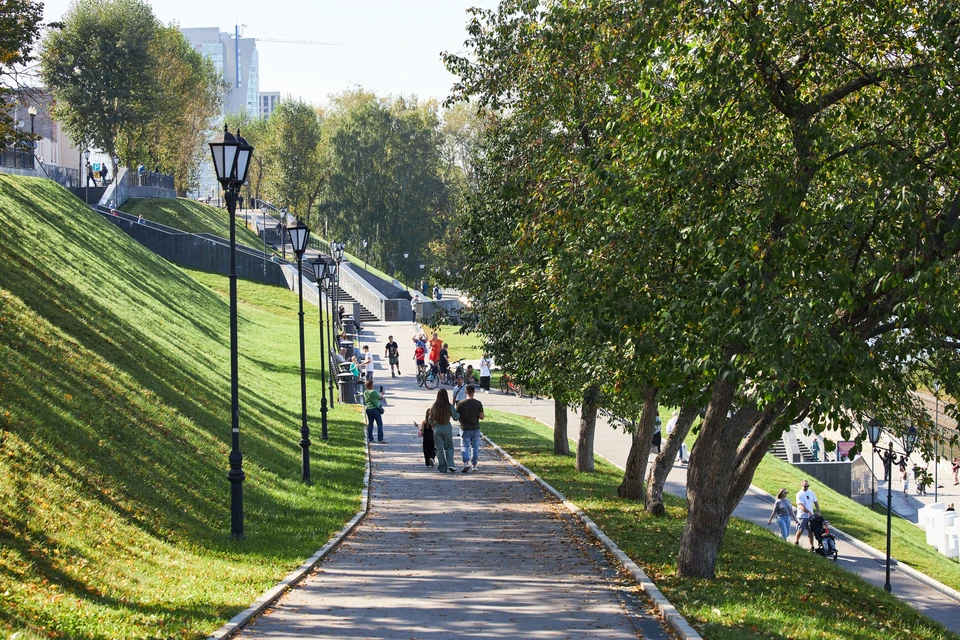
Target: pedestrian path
{"x":481,"y":555}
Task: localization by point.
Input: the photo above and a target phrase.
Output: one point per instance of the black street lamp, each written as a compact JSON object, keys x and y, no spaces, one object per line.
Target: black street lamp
{"x":86,"y":179}
{"x":322,"y":273}
{"x":299,"y":234}
{"x":336,"y":253}
{"x":889,"y":458}
{"x":231,"y":160}
{"x":936,"y":442}
{"x":33,"y":143}
{"x":364,"y":255}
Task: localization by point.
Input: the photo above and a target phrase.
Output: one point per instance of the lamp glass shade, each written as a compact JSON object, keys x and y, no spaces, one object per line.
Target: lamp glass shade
{"x":244,"y":154}
{"x":873,"y":431}
{"x":299,"y":234}
{"x":86,"y":154}
{"x":325,"y":281}
{"x":319,"y":268}
{"x":32,"y":111}
{"x":910,"y":440}
{"x":422,"y":265}
{"x":332,"y":268}
{"x":224,"y":151}
{"x":406,"y":254}
{"x":339,"y":251}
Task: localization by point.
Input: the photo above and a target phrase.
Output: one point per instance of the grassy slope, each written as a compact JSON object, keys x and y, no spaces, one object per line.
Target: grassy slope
{"x":114,"y":384}
{"x":764,"y":588}
{"x":191,"y":216}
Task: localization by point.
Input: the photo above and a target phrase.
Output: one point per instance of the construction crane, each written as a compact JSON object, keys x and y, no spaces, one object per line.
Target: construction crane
{"x":238,"y":33}
{"x":330,"y":44}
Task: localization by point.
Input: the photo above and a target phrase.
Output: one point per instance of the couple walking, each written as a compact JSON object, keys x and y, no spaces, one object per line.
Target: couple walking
{"x":437,"y":431}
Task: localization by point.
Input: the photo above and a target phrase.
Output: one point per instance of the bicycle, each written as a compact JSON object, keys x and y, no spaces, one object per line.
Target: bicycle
{"x":508,"y":385}
{"x":428,"y":377}
{"x":454,"y":370}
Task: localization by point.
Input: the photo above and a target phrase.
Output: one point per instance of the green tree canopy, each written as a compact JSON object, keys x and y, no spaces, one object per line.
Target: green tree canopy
{"x":101,"y":67}
{"x":19,"y":28}
{"x":770,"y":193}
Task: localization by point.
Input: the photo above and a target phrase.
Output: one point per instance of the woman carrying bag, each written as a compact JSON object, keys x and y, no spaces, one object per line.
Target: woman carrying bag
{"x":371,"y":402}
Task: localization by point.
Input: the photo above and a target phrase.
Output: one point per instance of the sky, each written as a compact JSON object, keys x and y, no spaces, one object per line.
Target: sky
{"x":389,"y":47}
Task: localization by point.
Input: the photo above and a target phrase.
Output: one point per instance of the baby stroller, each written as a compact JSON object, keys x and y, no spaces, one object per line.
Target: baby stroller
{"x":826,"y":541}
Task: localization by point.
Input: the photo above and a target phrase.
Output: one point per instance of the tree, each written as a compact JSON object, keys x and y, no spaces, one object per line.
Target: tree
{"x":175,"y":138}
{"x":794,"y":169}
{"x":294,"y":173}
{"x":101,"y":68}
{"x":19,"y":28}
{"x":386,"y":184}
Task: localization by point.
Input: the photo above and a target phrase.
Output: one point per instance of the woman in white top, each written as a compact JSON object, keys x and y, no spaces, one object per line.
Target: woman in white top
{"x":485,"y":364}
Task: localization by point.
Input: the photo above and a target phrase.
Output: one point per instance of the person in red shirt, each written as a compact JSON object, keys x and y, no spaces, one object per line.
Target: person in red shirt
{"x":418,"y":354}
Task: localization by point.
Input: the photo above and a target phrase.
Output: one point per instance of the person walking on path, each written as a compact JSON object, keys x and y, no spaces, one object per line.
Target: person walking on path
{"x":392,"y":352}
{"x":485,"y":364}
{"x":371,"y":402}
{"x":413,"y":307}
{"x":807,"y":505}
{"x":440,"y":414}
{"x":368,"y":363}
{"x":470,"y":412}
{"x":90,"y":177}
{"x":783,"y":511}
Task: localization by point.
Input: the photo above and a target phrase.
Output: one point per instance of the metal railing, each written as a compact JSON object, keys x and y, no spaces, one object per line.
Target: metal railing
{"x":17,"y":158}
{"x":139,"y":178}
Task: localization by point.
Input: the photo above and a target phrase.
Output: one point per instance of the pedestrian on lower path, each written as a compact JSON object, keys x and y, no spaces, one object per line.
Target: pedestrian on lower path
{"x":413,"y":307}
{"x":372,"y":404}
{"x":807,"y":505}
{"x":470,"y":412}
{"x":956,"y":470}
{"x":783,"y":511}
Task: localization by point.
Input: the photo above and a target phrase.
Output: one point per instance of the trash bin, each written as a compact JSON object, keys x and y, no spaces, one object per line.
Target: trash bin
{"x":348,"y":388}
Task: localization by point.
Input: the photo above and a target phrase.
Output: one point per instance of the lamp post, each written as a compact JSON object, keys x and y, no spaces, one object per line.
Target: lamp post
{"x":299,"y":234}
{"x":116,"y":165}
{"x":231,"y":160}
{"x":283,"y":245}
{"x":33,"y":144}
{"x":364,"y":255}
{"x":323,"y":279}
{"x":86,"y":179}
{"x":336,"y":253}
{"x":889,"y":458}
{"x":936,"y":441}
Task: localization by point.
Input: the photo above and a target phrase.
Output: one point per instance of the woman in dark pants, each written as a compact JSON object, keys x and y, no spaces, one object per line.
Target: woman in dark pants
{"x":426,"y":430}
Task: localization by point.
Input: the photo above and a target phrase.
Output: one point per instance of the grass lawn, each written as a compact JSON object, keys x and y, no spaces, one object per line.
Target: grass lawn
{"x":191,"y":216}
{"x":115,"y":432}
{"x":909,"y":542}
{"x":764,"y":588}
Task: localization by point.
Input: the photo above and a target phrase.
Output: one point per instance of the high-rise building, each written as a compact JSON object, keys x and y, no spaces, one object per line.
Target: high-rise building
{"x":268,"y":102}
{"x":237,"y":61}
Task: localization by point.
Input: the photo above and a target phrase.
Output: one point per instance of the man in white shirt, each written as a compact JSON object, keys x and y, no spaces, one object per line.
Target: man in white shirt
{"x":807,"y":505}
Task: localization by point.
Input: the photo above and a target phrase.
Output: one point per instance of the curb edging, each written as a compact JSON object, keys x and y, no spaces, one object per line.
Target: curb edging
{"x":236,"y":623}
{"x":669,"y":613}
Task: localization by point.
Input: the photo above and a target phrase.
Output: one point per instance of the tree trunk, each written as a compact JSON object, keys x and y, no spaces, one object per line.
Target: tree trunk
{"x":588,"y":427}
{"x":561,"y":443}
{"x":653,"y":502}
{"x":632,"y":485}
{"x":721,"y":467}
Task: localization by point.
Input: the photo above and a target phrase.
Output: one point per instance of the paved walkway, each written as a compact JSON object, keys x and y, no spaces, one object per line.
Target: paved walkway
{"x":482,"y":555}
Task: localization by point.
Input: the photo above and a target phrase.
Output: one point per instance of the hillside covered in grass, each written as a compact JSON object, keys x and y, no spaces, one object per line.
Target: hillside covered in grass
{"x":191,"y":216}
{"x":115,"y":431}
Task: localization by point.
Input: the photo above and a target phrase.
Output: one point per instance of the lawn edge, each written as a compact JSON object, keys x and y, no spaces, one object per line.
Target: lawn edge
{"x":666,"y":609}
{"x":239,"y":621}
